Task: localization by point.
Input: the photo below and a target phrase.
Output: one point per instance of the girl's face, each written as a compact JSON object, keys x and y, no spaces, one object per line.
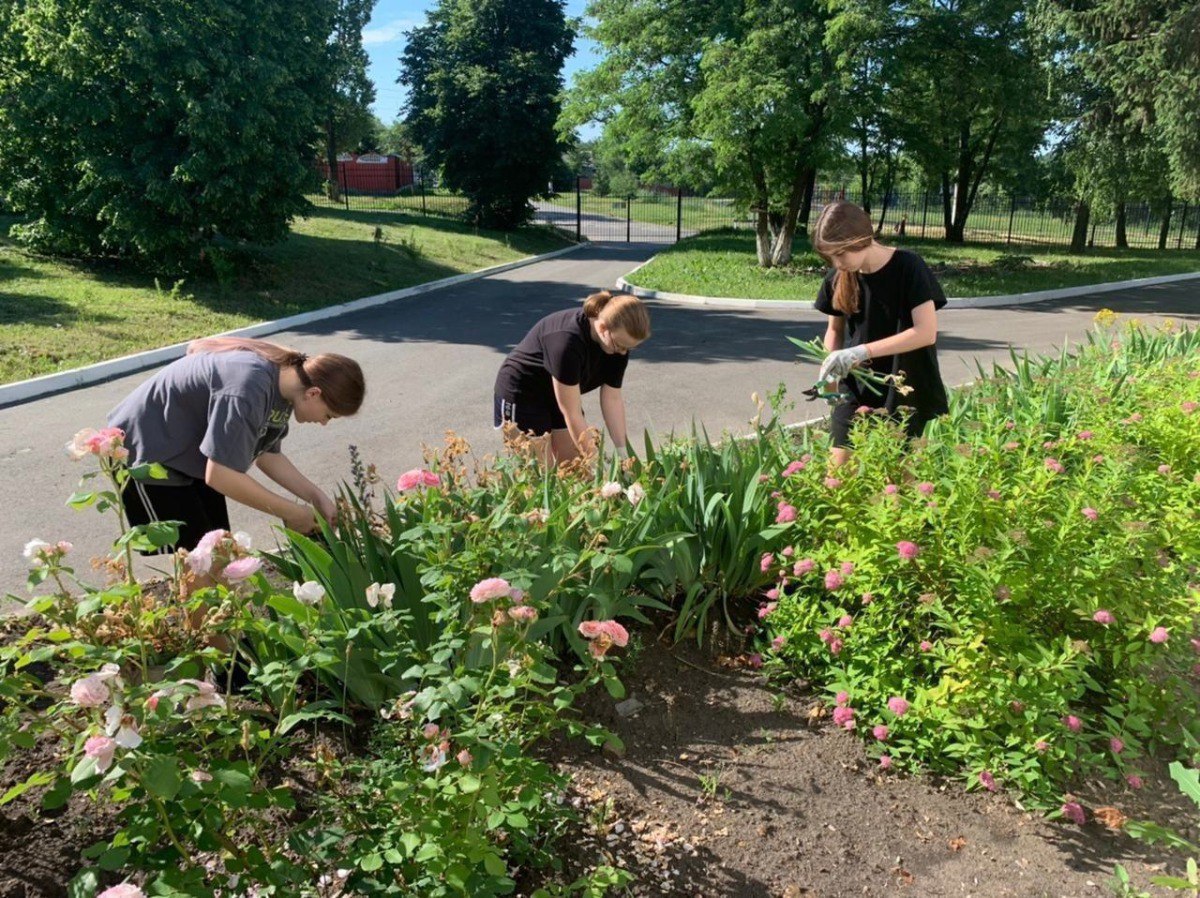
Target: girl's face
{"x":615,"y":341}
{"x":850,"y":260}
{"x":310,"y":408}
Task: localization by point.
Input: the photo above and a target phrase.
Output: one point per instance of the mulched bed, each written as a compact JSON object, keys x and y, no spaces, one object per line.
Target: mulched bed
{"x":792,"y":806}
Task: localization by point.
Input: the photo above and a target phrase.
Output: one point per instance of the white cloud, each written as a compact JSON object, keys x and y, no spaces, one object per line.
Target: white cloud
{"x":387,"y":32}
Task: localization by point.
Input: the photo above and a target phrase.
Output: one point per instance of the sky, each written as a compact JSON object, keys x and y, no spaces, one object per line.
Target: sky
{"x":383,"y":39}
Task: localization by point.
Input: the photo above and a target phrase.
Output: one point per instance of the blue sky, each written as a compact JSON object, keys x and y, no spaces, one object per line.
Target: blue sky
{"x":383,"y":39}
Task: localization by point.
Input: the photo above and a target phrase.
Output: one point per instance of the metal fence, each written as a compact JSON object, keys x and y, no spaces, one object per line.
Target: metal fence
{"x":666,"y":214}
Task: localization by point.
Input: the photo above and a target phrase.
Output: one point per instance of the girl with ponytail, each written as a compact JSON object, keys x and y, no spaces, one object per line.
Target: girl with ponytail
{"x":565,"y":355}
{"x":882,"y":305}
{"x":225,"y":405}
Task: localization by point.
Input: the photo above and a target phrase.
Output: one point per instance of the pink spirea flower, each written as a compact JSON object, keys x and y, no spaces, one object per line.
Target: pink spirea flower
{"x":1074,"y":812}
{"x":1135,"y":418}
{"x":1135,"y":781}
{"x":490,"y":589}
{"x":417,"y":477}
{"x":1098,"y":459}
{"x":766,"y":561}
{"x":843,"y":716}
{"x":772,"y":593}
{"x":1164,"y":469}
{"x":842,"y":698}
{"x":1017,"y":707}
{"x":90,"y":692}
{"x":891,"y":489}
{"x":1042,"y":746}
{"x":826,"y":636}
{"x":885,"y":762}
{"x":1011,"y":446}
{"x":803,"y":566}
{"x":836,"y":646}
{"x":1188,"y":407}
{"x":1073,"y":723}
{"x":767,"y":610}
{"x":1085,"y":435}
{"x":907,"y":550}
{"x":1054,"y":465}
{"x":1003,"y":593}
{"x":101,"y":749}
{"x":124,"y":890}
{"x":987,"y":780}
{"x":833,"y":580}
{"x":845,"y":622}
{"x":926,"y":645}
{"x":1091,"y":514}
{"x":880,"y":732}
{"x":925,"y":488}
{"x":832,"y":483}
{"x":1103,"y":616}
{"x":898,"y":706}
{"x":1116,"y":744}
{"x":793,"y":468}
{"x":847,"y":568}
{"x":867,"y":598}
{"x":786,"y":514}
{"x":788,"y":552}
{"x":1159,"y":635}
{"x":241,"y":568}
{"x":778,"y":642}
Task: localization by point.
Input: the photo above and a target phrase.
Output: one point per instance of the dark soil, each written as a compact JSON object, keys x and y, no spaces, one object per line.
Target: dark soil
{"x":721,"y":792}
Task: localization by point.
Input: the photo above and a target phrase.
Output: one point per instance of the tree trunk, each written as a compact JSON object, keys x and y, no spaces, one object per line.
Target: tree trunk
{"x":810,"y":188}
{"x":864,"y":172}
{"x":1164,"y":230}
{"x":888,"y":179}
{"x":947,"y":212}
{"x":1122,"y":238}
{"x":781,"y":253}
{"x":1079,"y":235}
{"x":762,"y":220}
{"x":332,"y":189}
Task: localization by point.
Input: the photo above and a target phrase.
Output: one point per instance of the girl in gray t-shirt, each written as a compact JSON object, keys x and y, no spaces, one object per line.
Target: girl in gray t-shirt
{"x":226,"y":405}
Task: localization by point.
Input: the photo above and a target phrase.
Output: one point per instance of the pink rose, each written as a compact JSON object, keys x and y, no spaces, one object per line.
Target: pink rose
{"x":417,"y":477}
{"x":124,"y":890}
{"x":464,"y":758}
{"x":523,"y":614}
{"x":101,"y":749}
{"x":241,"y":568}
{"x":490,"y":589}
{"x":90,"y":692}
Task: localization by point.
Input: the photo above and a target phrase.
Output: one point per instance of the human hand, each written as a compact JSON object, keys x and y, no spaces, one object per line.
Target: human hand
{"x":325,"y":507}
{"x":299,"y":517}
{"x":839,"y":362}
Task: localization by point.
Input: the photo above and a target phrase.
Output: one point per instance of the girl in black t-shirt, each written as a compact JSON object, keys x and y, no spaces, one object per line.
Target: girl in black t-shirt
{"x":565,"y":355}
{"x":882,"y":305}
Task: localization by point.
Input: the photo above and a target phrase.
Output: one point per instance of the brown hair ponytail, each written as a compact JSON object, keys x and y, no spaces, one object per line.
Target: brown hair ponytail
{"x":339,"y":378}
{"x":621,"y":312}
{"x":843,"y":227}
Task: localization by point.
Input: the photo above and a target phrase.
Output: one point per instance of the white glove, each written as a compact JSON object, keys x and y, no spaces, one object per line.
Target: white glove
{"x":839,"y":362}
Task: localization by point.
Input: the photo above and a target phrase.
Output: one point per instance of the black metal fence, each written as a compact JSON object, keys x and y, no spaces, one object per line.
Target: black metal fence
{"x":666,"y":214}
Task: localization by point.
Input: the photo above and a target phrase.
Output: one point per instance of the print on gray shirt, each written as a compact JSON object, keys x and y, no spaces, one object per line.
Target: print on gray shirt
{"x":220,"y":405}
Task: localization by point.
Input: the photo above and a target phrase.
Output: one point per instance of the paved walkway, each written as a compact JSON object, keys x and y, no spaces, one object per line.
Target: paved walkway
{"x":430,"y":362}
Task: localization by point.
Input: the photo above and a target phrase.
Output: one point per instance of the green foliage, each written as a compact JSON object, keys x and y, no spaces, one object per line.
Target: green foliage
{"x":1051,"y":493}
{"x":149,"y":130}
{"x":484,"y":82}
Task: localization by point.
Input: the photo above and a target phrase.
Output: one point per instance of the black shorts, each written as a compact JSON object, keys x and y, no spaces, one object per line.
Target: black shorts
{"x":198,"y":507}
{"x":534,"y":419}
{"x":842,"y":418}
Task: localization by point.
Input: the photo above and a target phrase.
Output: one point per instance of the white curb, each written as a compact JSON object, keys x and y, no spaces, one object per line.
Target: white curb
{"x":59,"y":382}
{"x":963,"y":302}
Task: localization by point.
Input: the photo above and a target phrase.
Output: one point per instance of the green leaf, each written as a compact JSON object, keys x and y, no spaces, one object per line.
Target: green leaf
{"x":494,"y":865}
{"x":41,"y":778}
{"x":371,"y":862}
{"x":161,"y":776}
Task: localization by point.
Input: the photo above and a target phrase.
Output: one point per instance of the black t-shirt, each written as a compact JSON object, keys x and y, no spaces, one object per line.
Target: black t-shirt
{"x":885,"y":303}
{"x":559,"y":346}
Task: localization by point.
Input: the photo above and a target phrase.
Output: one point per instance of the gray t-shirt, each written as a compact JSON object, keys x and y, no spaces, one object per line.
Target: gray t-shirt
{"x":220,"y":405}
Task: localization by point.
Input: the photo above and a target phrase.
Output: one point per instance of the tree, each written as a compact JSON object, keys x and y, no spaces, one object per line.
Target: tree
{"x":347,"y":115}
{"x":484,"y":79}
{"x":149,"y":130}
{"x":747,"y":83}
{"x":397,"y":138}
{"x":967,"y":89}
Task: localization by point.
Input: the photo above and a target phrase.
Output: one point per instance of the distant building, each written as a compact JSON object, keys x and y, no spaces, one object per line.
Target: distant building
{"x":370,"y":173}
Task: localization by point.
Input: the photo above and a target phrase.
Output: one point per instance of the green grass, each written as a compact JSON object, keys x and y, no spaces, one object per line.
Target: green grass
{"x":56,"y":315}
{"x":699,"y":212}
{"x":722,"y":263}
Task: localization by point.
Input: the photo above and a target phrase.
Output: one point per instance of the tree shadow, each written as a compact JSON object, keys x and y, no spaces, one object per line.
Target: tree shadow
{"x":42,"y":311}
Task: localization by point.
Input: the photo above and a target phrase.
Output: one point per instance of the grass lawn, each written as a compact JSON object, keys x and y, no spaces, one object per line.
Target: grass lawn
{"x":722,"y":263}
{"x":660,"y":209}
{"x":57,"y":315}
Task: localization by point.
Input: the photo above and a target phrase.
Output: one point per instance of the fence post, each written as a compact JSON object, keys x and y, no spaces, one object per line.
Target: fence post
{"x":345,"y":188}
{"x":578,"y":211}
{"x":628,"y":218}
{"x":1012,"y":211}
{"x":1182,"y":225}
{"x":678,"y":214}
{"x":924,"y":211}
{"x":424,"y":211}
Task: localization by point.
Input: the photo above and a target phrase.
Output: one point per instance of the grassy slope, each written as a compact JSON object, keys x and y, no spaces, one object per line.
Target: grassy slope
{"x":723,"y":264}
{"x":56,"y":315}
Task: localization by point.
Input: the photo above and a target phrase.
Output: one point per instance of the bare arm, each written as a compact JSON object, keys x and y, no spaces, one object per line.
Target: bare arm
{"x":245,"y":489}
{"x":612,"y":407}
{"x":280,"y":468}
{"x":835,"y":333}
{"x":922,"y":333}
{"x":571,"y":404}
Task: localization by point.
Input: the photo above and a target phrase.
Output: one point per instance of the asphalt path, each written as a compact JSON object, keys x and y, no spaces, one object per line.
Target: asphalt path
{"x":431,"y":360}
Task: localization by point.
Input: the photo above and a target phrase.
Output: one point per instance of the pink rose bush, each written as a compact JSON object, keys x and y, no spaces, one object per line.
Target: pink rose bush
{"x":417,"y":479}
